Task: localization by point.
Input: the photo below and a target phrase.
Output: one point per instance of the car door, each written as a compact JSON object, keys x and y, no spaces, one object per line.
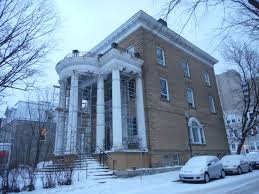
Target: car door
{"x":218,"y":167}
{"x":242,"y":164}
{"x":212,"y":168}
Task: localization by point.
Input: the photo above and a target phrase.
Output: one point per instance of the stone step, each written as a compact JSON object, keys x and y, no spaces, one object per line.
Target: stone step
{"x":110,"y":174}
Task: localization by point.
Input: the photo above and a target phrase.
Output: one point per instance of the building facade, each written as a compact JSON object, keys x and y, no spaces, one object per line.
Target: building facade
{"x":144,"y":95}
{"x":231,"y":97}
{"x":27,"y":133}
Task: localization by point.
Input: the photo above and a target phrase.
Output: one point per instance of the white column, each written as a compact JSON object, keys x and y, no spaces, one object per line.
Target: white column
{"x":100,"y":118}
{"x":140,"y":113}
{"x":72,"y":116}
{"x":116,"y":110}
{"x":60,"y":130}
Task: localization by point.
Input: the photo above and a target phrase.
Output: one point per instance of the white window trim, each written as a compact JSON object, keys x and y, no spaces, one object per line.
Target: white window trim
{"x":199,"y":134}
{"x":188,"y":69}
{"x":163,"y":56}
{"x":193,"y":103}
{"x":230,"y":145}
{"x":207,"y":78}
{"x":167,"y":95}
{"x":212,"y":103}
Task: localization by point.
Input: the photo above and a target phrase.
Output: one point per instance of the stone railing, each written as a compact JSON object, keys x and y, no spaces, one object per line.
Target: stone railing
{"x":131,"y":142}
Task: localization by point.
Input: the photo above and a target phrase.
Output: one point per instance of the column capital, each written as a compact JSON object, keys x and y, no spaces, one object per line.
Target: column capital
{"x":139,"y":75}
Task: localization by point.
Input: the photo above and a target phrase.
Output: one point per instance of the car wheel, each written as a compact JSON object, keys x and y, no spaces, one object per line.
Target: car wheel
{"x":250,"y":168}
{"x":206,"y":177}
{"x":239,"y":170}
{"x":223,"y":174}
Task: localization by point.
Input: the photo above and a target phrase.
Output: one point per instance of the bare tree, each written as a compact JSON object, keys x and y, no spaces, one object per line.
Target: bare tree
{"x":33,"y":136}
{"x":245,"y":60}
{"x":238,"y":16}
{"x":26,"y":28}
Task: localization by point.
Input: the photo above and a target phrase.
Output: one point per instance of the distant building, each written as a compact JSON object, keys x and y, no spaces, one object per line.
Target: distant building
{"x":29,"y":129}
{"x":143,"y":91}
{"x":231,"y":97}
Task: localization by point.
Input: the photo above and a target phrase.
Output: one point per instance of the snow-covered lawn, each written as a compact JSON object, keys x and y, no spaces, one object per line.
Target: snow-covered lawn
{"x":163,"y":183}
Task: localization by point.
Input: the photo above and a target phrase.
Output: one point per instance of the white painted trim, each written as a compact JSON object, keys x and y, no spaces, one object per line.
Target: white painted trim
{"x":163,"y":56}
{"x":199,"y":127}
{"x":193,"y":102}
{"x":141,"y":19}
{"x":211,"y":102}
{"x":167,"y":90}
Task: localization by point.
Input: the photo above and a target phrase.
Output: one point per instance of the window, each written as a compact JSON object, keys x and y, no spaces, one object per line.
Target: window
{"x":239,"y":119}
{"x":233,"y":118}
{"x":197,"y":133}
{"x":257,"y":145}
{"x":190,"y":99}
{"x":233,"y":147}
{"x":212,"y":105}
{"x":186,"y":70}
{"x":43,"y":134}
{"x":164,"y":89}
{"x":132,"y":127}
{"x":252,"y":146}
{"x":160,"y":56}
{"x":131,"y":50}
{"x":132,"y":89}
{"x":231,"y":133}
{"x":207,"y":78}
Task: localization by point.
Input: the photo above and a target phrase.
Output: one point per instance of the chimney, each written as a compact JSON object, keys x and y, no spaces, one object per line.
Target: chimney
{"x":163,"y":22}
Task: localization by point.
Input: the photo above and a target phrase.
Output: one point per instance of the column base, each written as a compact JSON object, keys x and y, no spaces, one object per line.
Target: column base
{"x":117,"y":148}
{"x":59,"y":153}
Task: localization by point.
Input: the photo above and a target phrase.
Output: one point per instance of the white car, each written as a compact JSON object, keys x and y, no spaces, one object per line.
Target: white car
{"x":236,"y":164}
{"x":202,"y":168}
{"x":253,"y":157}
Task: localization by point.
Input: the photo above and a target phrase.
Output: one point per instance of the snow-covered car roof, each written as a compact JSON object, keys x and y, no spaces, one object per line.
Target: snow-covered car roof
{"x":233,"y":157}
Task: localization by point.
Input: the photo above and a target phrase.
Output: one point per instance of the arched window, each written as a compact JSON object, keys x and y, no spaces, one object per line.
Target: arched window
{"x":196,"y":131}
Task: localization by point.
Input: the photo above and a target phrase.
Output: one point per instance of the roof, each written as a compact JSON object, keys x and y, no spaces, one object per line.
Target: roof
{"x":141,"y":19}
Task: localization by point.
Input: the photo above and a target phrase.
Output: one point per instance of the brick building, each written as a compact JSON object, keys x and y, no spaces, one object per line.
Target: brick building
{"x":27,"y":133}
{"x":144,"y":95}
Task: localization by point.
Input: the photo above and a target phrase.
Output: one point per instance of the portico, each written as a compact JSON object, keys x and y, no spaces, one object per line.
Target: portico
{"x":101,"y":103}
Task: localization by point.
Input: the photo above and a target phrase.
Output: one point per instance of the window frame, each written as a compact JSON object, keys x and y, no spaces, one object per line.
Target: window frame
{"x":160,"y":61}
{"x":192,"y":97}
{"x":212,"y":104}
{"x":200,"y":129}
{"x":186,"y":69}
{"x":131,"y":94}
{"x":167,"y":90}
{"x":206,"y":78}
{"x":231,"y":148}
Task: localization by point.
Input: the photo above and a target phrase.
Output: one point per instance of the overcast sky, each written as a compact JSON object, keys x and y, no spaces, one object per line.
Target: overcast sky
{"x":86,"y":22}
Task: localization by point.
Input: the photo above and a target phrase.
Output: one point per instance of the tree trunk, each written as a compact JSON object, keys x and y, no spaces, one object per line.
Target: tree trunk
{"x":240,"y":145}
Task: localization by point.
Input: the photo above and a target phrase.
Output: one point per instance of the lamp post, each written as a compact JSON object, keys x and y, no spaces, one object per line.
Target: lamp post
{"x":186,"y":115}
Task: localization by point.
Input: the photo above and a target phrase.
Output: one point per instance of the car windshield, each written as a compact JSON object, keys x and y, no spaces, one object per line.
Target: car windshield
{"x":252,"y":155}
{"x":197,"y":161}
{"x":231,"y":158}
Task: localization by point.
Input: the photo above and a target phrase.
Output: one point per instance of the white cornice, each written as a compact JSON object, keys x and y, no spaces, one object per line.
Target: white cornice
{"x":112,"y":59}
{"x":141,"y":19}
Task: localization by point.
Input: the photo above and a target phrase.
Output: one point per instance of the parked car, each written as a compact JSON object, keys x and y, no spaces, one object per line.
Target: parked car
{"x":202,"y":168}
{"x":253,"y":157}
{"x":236,"y":164}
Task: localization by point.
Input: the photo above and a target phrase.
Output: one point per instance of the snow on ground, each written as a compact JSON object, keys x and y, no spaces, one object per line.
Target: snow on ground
{"x":163,"y":183}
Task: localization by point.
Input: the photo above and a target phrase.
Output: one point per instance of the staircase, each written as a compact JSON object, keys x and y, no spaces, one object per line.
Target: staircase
{"x":85,"y":168}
